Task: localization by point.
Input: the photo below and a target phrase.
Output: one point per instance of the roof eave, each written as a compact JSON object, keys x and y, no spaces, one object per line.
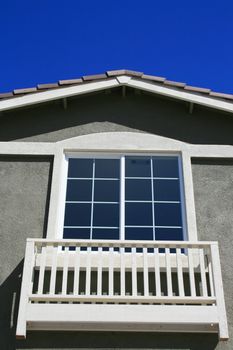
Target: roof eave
{"x":121,"y":80}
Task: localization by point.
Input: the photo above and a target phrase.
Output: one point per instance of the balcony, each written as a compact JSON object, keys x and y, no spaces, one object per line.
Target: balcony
{"x":122,"y":286}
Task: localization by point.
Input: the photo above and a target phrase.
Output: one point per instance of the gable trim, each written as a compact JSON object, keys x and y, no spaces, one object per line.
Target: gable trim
{"x":123,"y":80}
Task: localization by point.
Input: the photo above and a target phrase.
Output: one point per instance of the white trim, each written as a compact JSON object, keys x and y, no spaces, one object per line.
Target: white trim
{"x":189,"y":208}
{"x":183,"y":200}
{"x":123,"y":79}
{"x":118,"y":142}
{"x":57,"y":197}
{"x":182,"y":95}
{"x":61,"y":93}
{"x":122,"y":198}
{"x":27,"y":148}
{"x":56,"y":94}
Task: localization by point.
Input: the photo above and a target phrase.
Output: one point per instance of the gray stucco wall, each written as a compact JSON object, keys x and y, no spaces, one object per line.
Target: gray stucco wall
{"x":112,"y":112}
{"x":24,"y":194}
{"x":213,"y":191}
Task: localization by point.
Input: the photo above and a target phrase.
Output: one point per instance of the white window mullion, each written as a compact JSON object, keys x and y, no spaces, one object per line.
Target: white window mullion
{"x":152,"y":196}
{"x":92,"y":197}
{"x":122,"y":198}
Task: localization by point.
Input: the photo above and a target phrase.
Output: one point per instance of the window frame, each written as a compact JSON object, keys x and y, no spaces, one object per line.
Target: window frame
{"x":121,"y":156}
{"x":110,"y":143}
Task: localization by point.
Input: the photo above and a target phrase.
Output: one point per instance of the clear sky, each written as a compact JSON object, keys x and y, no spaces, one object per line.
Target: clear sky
{"x":47,"y":40}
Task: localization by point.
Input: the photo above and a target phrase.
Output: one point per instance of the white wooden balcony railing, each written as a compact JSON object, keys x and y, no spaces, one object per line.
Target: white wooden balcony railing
{"x":122,"y":286}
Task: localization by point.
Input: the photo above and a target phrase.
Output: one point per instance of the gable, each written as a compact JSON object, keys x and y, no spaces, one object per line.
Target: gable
{"x":113,"y":112}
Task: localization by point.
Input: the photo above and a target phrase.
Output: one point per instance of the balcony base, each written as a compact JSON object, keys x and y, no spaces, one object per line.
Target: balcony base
{"x":146,"y":318}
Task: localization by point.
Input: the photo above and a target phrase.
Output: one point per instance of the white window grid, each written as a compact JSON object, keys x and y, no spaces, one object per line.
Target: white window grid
{"x":122,"y":200}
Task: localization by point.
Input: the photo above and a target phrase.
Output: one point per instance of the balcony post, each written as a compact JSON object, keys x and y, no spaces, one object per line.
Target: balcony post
{"x":218,"y":286}
{"x":26,"y":288}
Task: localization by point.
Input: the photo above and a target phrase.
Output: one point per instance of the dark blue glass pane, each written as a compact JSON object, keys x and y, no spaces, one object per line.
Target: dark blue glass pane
{"x":79,"y":190}
{"x":106,"y":215}
{"x":99,"y":233}
{"x":165,"y":167}
{"x":76,"y":233}
{"x":137,"y":167}
{"x":138,"y":214}
{"x":169,"y":234}
{"x":77,"y":214}
{"x":106,"y":190}
{"x":80,"y":167}
{"x":139,"y":233}
{"x":167,"y":214}
{"x":108,"y":168}
{"x":138,"y":189}
{"x":166,"y":190}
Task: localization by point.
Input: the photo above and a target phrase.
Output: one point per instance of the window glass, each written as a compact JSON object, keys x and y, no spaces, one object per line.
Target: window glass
{"x":107,"y":168}
{"x":78,"y":214}
{"x":151,"y":202}
{"x":139,"y":233}
{"x":167,"y":214}
{"x":138,"y":189}
{"x":106,"y":191}
{"x":137,"y":167}
{"x":165,"y":167}
{"x":168,"y":234}
{"x":100,"y":233}
{"x":106,"y":215}
{"x":77,"y":233}
{"x":79,"y":190}
{"x":138,"y":214}
{"x":166,"y":190}
{"x":80,"y":168}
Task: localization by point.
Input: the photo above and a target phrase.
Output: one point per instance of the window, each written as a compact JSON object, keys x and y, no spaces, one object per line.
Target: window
{"x":124,"y":197}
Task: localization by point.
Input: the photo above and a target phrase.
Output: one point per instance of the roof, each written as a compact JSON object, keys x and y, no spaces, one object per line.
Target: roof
{"x":159,"y":85}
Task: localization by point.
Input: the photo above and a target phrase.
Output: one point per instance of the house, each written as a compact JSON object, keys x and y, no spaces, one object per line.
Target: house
{"x":116,"y":191}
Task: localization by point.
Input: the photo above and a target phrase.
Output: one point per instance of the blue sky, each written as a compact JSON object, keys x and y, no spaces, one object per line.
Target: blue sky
{"x":44,"y":41}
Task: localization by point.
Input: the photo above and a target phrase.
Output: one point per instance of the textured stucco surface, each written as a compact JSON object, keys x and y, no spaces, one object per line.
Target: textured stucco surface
{"x":213,"y":191}
{"x":112,"y":112}
{"x":24,"y":193}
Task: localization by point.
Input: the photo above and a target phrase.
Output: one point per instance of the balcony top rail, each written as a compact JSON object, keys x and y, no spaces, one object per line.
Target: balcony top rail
{"x":120,"y":243}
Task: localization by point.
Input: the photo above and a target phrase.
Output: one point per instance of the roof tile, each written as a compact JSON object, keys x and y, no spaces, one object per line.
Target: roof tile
{"x":221,"y":95}
{"x":24,"y":91}
{"x":47,"y":86}
{"x":153,"y":78}
{"x":197,"y":89}
{"x":6,"y":94}
{"x":113,"y":73}
{"x":94,"y":77}
{"x":133,"y":73}
{"x":70,"y":81}
{"x":174,"y":83}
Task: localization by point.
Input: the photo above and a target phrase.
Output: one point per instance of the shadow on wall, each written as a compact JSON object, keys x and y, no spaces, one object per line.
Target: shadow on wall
{"x":9,"y":304}
{"x":113,"y":340}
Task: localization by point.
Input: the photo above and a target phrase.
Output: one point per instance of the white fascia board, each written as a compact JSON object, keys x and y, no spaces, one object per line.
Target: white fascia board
{"x":181,"y":95}
{"x":56,"y":94}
